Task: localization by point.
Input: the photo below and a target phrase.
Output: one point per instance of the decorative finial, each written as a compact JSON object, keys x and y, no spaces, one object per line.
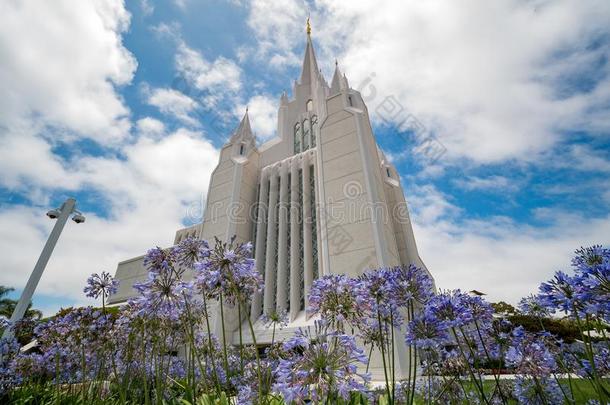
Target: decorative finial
{"x":246,"y":109}
{"x":336,"y":62}
{"x":308,"y":26}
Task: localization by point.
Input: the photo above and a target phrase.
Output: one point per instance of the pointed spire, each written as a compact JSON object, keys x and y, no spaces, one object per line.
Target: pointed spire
{"x":284,"y":99}
{"x":335,"y":85}
{"x":310,"y":65}
{"x":344,"y":82}
{"x":244,"y":130}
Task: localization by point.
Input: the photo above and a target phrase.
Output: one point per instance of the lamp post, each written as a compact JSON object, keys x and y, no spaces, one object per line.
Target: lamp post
{"x":61,"y":214}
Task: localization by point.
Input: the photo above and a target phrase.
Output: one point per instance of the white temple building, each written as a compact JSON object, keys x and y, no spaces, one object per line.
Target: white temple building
{"x":317,"y":199}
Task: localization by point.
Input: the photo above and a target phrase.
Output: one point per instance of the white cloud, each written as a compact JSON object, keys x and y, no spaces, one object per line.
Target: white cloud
{"x":582,"y":157}
{"x":150,"y":126}
{"x":219,"y":83}
{"x":213,"y":80}
{"x":147,"y":195}
{"x":181,"y":4}
{"x":64,"y":67}
{"x":493,"y":183}
{"x":490,"y":79}
{"x":172,"y":102}
{"x":504,"y":259}
{"x":19,"y":148}
{"x":263,"y":115}
{"x":146,"y":7}
{"x":278,"y":26}
{"x":61,"y":65}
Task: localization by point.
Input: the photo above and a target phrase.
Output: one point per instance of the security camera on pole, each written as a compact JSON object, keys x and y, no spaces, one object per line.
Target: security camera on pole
{"x":61,"y":214}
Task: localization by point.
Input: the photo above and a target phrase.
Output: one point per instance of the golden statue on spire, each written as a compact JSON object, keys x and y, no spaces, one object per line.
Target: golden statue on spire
{"x":308,"y":26}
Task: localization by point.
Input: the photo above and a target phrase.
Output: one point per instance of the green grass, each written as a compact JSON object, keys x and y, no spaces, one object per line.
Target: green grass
{"x":581,"y":389}
{"x":49,"y":394}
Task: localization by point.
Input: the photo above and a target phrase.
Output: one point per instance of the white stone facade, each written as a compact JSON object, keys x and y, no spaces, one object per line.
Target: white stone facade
{"x":319,"y":198}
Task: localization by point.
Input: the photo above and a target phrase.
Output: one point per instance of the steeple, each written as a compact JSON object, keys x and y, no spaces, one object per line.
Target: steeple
{"x":310,"y":66}
{"x":244,"y":130}
{"x":335,"y":85}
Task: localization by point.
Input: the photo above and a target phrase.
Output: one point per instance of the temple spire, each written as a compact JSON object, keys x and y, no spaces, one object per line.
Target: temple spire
{"x":244,"y":130}
{"x":335,"y":84}
{"x":310,"y":66}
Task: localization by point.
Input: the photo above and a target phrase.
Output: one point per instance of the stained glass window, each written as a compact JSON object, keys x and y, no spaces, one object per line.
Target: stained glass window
{"x":297,"y":138}
{"x":306,"y":131}
{"x":289,"y":209}
{"x":301,"y":250}
{"x":314,"y":130}
{"x":314,"y":231}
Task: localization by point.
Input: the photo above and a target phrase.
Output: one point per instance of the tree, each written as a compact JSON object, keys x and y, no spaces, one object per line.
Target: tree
{"x":503,"y":308}
{"x":7,"y":305}
{"x":24,"y":329}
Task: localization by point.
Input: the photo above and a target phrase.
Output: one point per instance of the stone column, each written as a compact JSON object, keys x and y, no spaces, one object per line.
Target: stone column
{"x":261,"y":236}
{"x":270,"y":262}
{"x":295,"y":204}
{"x":307,"y":246}
{"x":282,"y":246}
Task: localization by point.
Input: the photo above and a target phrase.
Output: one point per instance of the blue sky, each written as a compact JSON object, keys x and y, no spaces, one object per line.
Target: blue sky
{"x":124,"y":107}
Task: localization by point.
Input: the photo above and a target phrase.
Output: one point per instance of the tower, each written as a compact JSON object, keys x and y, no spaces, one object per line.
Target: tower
{"x":319,"y":198}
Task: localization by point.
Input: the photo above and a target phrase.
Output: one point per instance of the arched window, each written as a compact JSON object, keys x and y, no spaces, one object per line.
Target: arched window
{"x":241,"y":149}
{"x":309,"y":105}
{"x":306,"y":132}
{"x":314,"y":130}
{"x":297,"y":138}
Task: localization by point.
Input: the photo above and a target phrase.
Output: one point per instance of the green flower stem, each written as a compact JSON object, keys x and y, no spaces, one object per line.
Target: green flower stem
{"x":210,"y":347}
{"x":224,"y":338}
{"x":385,"y":369}
{"x":496,"y":376}
{"x":470,"y":371}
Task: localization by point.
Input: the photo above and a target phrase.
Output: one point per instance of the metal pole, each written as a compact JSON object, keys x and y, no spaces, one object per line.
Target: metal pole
{"x":26,"y":296}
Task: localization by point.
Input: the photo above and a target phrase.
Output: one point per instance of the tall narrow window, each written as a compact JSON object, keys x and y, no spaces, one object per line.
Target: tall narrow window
{"x":301,"y":247}
{"x":350,"y":101}
{"x":241,"y":149}
{"x":309,"y":105}
{"x":255,"y":218}
{"x":276,"y":231}
{"x":314,"y":130}
{"x":297,"y":138}
{"x":288,"y":241}
{"x":314,"y":227}
{"x":387,"y":170}
{"x":306,"y":132}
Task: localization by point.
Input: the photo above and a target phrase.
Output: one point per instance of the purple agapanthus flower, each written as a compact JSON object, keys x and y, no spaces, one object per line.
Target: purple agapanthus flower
{"x":425,"y":331}
{"x":276,"y":318}
{"x":340,"y":301}
{"x":537,"y":391}
{"x":229,"y":271}
{"x":190,"y":251}
{"x":560,"y":293}
{"x":320,"y":367}
{"x":531,"y":305}
{"x":411,"y":283}
{"x":164,"y":294}
{"x":450,"y":308}
{"x":587,"y":293}
{"x":529,"y":354}
{"x":102,"y":284}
